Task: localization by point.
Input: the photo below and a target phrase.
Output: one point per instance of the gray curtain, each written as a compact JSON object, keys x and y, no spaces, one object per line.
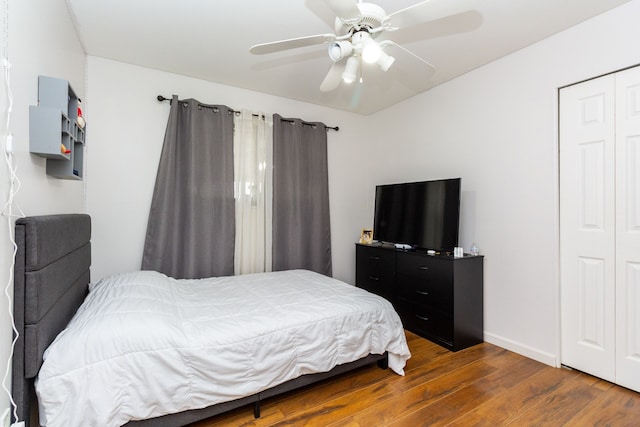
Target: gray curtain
{"x":190,"y":233}
{"x":301,"y":227}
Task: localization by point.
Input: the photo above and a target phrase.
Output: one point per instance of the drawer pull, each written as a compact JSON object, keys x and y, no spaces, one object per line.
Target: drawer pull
{"x":375,"y":258}
{"x":422,"y":318}
{"x":425,"y":293}
{"x":423,"y":267}
{"x":374,"y":278}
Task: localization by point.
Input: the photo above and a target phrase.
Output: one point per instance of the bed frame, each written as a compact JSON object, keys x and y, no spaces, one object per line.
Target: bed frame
{"x":51,"y":279}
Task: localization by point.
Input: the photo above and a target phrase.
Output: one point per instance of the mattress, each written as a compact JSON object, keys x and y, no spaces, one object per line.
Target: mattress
{"x":144,"y":345}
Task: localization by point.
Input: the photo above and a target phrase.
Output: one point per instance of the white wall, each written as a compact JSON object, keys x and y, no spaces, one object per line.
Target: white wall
{"x":496,"y":127}
{"x":41,"y":41}
{"x":126,"y":131}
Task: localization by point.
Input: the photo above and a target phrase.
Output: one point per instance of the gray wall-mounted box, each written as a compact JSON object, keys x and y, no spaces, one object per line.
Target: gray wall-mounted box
{"x":54,"y":132}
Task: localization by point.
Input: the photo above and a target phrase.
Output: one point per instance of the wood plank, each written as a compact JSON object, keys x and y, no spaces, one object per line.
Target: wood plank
{"x":572,"y":395}
{"x":447,"y":363}
{"x":470,"y":394}
{"x":616,"y":406}
{"x":532,"y":383}
{"x":422,"y":394}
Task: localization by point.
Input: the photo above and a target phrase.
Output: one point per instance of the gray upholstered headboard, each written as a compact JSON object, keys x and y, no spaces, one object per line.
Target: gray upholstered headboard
{"x":50,"y":282}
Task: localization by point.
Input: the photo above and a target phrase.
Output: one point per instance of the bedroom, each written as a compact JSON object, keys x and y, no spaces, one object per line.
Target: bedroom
{"x":506,"y":153}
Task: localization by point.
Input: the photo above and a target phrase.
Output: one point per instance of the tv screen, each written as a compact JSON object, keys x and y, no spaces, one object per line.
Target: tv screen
{"x":421,"y":214}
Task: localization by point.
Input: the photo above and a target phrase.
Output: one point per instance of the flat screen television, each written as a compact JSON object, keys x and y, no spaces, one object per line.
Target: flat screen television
{"x":423,"y":214}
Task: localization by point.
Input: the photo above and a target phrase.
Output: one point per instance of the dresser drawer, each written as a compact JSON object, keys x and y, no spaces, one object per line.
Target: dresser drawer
{"x":424,"y":280}
{"x":426,"y":292}
{"x":423,"y":319}
{"x":375,"y":270}
{"x":424,"y":267}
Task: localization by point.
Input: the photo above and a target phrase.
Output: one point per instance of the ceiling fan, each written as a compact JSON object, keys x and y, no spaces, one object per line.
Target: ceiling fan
{"x":360,"y":37}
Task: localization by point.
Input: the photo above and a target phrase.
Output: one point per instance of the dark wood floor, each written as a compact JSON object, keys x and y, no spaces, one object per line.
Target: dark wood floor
{"x":481,"y":386}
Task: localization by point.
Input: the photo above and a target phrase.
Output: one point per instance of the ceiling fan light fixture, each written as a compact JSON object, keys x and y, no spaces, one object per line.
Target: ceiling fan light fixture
{"x":350,"y":70}
{"x":339,"y":49}
{"x":359,"y":38}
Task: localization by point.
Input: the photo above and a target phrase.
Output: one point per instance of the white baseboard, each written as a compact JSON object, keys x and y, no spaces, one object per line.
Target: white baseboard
{"x":531,"y":353}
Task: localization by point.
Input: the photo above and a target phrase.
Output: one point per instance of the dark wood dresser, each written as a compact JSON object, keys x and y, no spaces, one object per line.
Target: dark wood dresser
{"x":438,"y":297}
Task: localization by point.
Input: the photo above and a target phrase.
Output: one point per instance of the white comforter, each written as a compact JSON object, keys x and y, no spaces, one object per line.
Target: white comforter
{"x":143,"y":345}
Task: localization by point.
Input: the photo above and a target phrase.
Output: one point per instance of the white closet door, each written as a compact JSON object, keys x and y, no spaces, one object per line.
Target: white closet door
{"x":628,"y":228}
{"x":587,"y":224}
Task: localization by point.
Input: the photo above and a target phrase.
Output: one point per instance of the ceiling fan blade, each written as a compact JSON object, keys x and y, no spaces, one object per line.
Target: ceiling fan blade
{"x":344,"y":9}
{"x":277,"y":46}
{"x":385,"y":43}
{"x":334,"y":76}
{"x":429,"y":10}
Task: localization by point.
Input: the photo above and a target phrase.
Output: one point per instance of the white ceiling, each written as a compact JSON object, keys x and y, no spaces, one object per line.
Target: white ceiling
{"x":210,"y":40}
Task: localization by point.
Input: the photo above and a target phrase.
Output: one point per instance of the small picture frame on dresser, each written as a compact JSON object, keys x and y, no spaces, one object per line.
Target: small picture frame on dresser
{"x":366,"y":236}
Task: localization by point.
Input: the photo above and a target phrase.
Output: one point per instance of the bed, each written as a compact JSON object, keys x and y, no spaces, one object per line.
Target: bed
{"x":51,"y":295}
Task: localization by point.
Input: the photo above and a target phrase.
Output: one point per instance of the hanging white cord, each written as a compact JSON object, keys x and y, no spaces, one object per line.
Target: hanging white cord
{"x":8,"y":208}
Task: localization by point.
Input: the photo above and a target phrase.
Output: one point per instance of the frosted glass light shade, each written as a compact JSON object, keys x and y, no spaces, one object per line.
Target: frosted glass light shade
{"x":351,"y":69}
{"x":371,"y":52}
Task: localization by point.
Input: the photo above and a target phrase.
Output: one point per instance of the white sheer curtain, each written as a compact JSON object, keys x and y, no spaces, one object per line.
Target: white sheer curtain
{"x":253,"y":162}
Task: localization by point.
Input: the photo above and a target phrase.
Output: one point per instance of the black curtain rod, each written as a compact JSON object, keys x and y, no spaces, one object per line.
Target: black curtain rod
{"x":336,"y":128}
{"x":162,"y":98}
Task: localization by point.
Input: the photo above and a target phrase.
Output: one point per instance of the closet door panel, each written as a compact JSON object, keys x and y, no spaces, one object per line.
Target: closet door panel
{"x":587,"y":224}
{"x":628,"y":228}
